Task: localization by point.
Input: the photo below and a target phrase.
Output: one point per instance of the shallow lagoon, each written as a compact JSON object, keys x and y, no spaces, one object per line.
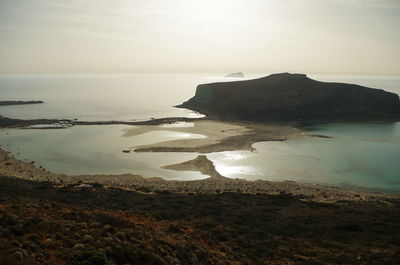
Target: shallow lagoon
{"x":364,"y":155}
{"x":95,"y":150}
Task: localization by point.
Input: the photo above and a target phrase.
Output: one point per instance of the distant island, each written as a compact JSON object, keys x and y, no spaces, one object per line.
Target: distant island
{"x":293,"y":97}
{"x":19,"y":102}
{"x":236,"y":75}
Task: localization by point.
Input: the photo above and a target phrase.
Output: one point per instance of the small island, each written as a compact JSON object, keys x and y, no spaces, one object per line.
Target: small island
{"x":55,"y":218}
{"x":293,"y":97}
{"x":19,"y":102}
{"x":235,"y":75}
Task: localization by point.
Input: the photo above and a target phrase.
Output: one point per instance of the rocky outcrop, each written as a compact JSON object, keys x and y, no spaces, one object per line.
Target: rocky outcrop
{"x":293,"y":97}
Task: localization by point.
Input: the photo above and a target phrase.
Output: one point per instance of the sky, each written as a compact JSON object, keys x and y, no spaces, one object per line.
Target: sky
{"x":119,"y":36}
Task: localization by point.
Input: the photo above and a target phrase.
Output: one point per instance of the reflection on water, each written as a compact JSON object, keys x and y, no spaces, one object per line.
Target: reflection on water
{"x":178,"y":125}
{"x":96,"y":150}
{"x":228,"y":164}
{"x":99,"y":96}
{"x":127,"y":96}
{"x":365,"y":155}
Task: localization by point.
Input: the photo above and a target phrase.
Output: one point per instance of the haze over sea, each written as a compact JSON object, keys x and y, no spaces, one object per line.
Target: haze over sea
{"x":362,"y":155}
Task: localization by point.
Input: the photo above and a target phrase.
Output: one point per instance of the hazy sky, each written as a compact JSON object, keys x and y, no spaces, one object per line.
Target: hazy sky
{"x":310,"y":36}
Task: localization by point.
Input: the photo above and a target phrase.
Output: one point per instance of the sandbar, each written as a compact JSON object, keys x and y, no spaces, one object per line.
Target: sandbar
{"x":219,"y":136}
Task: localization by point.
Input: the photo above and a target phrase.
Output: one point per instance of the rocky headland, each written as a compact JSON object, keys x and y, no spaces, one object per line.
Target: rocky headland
{"x":49,"y":218}
{"x":293,"y":97}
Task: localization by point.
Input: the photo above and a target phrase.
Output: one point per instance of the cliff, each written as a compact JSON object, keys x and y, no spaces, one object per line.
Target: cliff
{"x":293,"y":97}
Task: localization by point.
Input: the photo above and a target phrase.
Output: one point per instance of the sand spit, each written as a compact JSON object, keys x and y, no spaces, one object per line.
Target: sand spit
{"x":11,"y":167}
{"x":220,"y":136}
{"x":201,"y":164}
{"x":51,"y":123}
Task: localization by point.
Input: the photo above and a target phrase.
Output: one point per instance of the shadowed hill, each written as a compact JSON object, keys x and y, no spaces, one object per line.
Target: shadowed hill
{"x":45,"y":224}
{"x":293,"y":97}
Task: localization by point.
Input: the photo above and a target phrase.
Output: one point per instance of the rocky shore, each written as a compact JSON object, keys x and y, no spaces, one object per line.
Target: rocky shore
{"x":42,"y":223}
{"x":48,"y":218}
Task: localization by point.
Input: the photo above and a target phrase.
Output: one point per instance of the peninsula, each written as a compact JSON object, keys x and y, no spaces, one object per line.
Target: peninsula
{"x":53,"y":218}
{"x":293,"y":97}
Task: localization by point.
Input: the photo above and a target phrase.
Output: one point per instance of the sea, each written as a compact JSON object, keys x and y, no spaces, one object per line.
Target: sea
{"x":363,"y":155}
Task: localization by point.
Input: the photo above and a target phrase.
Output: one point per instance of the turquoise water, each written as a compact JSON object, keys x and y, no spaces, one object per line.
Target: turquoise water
{"x":362,"y":155}
{"x":96,"y":150}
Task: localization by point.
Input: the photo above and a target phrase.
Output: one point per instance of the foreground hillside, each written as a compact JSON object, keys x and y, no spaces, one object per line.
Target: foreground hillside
{"x":44,"y":224}
{"x":293,"y":97}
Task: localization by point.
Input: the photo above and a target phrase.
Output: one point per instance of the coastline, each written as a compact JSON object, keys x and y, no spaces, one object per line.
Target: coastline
{"x":229,"y":221}
{"x":13,"y":168}
{"x":220,"y":136}
{"x":19,"y":123}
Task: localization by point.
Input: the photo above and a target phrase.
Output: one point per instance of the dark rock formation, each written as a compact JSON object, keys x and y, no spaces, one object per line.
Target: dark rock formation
{"x":9,"y":122}
{"x":64,"y":123}
{"x":293,"y":97}
{"x":19,"y":102}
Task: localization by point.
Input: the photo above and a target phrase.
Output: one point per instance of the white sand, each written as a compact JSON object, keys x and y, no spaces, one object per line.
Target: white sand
{"x":241,"y":136}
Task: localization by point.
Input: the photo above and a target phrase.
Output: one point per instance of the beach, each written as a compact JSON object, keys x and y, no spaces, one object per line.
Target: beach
{"x":14,"y":168}
{"x":199,"y":132}
{"x":200,"y":213}
{"x":219,"y":136}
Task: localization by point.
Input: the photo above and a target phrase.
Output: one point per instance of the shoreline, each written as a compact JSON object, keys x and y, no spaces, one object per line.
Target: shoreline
{"x":6,"y":122}
{"x":13,"y":168}
{"x":20,"y":102}
{"x":19,"y":123}
{"x":220,"y":136}
{"x":241,"y":137}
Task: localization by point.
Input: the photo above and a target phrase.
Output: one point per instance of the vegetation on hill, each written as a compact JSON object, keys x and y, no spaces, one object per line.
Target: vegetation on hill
{"x":44,"y":224}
